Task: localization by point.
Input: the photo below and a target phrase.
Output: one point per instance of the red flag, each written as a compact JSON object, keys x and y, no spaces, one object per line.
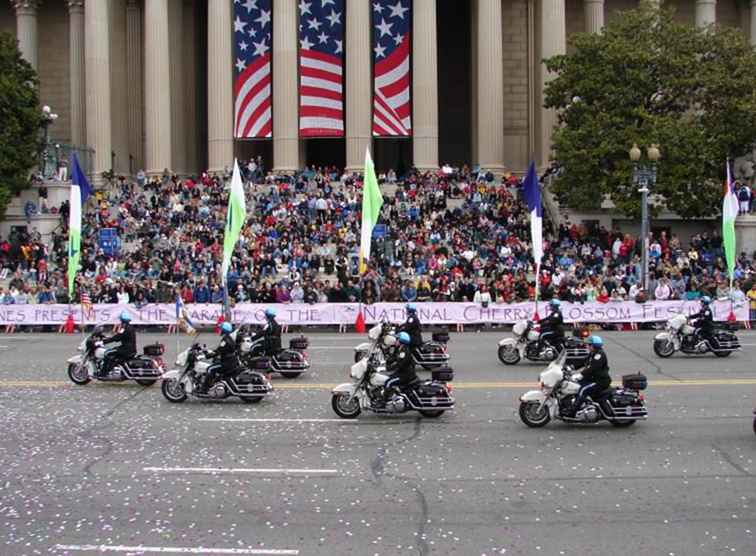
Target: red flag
{"x":359,"y":324}
{"x":221,"y":320}
{"x":731,"y":317}
{"x":536,"y":316}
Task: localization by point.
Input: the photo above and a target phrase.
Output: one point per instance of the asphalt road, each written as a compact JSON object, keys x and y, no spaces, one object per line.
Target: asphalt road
{"x":116,"y":468}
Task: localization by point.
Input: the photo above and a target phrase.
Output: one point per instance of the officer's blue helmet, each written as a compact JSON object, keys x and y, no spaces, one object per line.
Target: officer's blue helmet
{"x":555,"y":303}
{"x":125,"y":317}
{"x":226,"y":328}
{"x":410,"y":307}
{"x":404,"y":338}
{"x":706,"y":300}
{"x":596,"y":341}
{"x":270,"y":313}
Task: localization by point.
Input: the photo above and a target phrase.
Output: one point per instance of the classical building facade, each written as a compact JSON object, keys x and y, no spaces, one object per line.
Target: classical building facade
{"x":147,"y":84}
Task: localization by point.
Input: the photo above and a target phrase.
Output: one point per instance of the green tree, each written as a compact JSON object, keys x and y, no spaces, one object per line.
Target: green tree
{"x":648,"y":79}
{"x":20,"y":120}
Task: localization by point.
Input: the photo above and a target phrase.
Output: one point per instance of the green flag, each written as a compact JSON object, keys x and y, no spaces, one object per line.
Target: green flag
{"x":372,"y":200}
{"x":235,"y":217}
{"x":729,"y":213}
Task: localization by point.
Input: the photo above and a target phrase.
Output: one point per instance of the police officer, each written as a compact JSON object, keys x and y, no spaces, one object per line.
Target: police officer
{"x":596,"y":377}
{"x":552,"y":331}
{"x":271,"y":332}
{"x":412,"y":326}
{"x":226,"y":355}
{"x":401,"y":366}
{"x":704,"y":321}
{"x":127,"y":349}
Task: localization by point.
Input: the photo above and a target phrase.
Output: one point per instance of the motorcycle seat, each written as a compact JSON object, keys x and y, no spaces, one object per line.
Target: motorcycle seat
{"x":604,"y":394}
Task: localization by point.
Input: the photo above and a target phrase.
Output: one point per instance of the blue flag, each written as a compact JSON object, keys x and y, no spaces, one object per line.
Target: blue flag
{"x":79,"y":178}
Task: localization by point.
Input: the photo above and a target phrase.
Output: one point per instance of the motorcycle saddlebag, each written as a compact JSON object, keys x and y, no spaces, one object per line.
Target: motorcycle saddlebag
{"x":154,"y":350}
{"x":291,"y":360}
{"x":248,"y":377}
{"x":637,"y":381}
{"x":427,"y":389}
{"x":258,"y":363}
{"x":441,"y":336}
{"x":443,"y":374}
{"x":299,"y":343}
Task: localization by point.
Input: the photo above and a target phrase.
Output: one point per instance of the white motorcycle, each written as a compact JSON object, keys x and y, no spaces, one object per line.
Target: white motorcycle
{"x":250,"y":385}
{"x":143,"y":369}
{"x":431,"y":398}
{"x":525,"y":344}
{"x":560,"y":384}
{"x":680,"y":336}
{"x":289,"y":363}
{"x":429,"y":355}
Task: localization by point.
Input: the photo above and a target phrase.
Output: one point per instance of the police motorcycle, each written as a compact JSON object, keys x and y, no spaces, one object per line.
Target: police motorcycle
{"x":251,"y":385}
{"x":525,"y":344}
{"x":431,"y":398}
{"x":429,"y":355}
{"x":143,"y":369}
{"x":289,"y":363}
{"x":679,"y":335}
{"x":560,"y":384}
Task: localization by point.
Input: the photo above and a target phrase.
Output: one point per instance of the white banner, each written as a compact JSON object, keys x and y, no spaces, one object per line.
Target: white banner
{"x":346,"y":313}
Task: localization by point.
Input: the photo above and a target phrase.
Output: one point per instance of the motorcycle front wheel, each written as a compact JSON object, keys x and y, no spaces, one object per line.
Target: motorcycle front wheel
{"x":664,"y":348}
{"x":289,"y":374}
{"x":622,"y":424}
{"x":173,"y":391}
{"x":78,"y":374}
{"x":532,"y":417}
{"x":509,"y":355}
{"x":343,"y":407}
{"x":358,"y":355}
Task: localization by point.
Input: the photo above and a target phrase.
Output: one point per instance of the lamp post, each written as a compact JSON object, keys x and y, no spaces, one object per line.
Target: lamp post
{"x":48,"y":118}
{"x":644,"y":175}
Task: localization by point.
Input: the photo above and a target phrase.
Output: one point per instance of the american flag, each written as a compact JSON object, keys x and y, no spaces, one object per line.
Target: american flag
{"x":391,"y":68}
{"x":321,"y":65}
{"x":252,"y":77}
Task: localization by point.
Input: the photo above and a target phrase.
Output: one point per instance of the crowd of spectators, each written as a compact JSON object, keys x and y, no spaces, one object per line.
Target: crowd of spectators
{"x":447,"y":236}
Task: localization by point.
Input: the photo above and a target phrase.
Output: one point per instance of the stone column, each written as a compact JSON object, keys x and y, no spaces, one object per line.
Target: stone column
{"x":706,"y":12}
{"x":177,"y":36}
{"x":26,"y":29}
{"x":359,"y":83}
{"x":76,"y":62}
{"x":189,"y":48}
{"x":490,"y":86}
{"x":97,"y":67}
{"x":753,"y":22}
{"x":424,"y":86}
{"x":553,"y":35}
{"x":157,"y":91}
{"x":135,"y":82}
{"x":594,"y":15}
{"x":285,"y":109}
{"x":220,"y":114}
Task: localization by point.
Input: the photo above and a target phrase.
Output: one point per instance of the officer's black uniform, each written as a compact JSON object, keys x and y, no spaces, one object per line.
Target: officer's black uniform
{"x":413,"y":327}
{"x":704,"y":321}
{"x":552,"y":331}
{"x":596,"y":377}
{"x":272,"y":334}
{"x":128,"y":348}
{"x":226,"y":355}
{"x":402,"y":369}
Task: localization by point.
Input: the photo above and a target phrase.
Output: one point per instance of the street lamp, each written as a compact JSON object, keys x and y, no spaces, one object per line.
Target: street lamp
{"x":643,"y":177}
{"x":48,"y":118}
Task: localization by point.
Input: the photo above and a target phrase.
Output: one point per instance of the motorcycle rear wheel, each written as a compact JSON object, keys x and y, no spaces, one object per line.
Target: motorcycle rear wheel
{"x":256,"y":399}
{"x":344,"y":409}
{"x":173,"y":391}
{"x":289,"y":374}
{"x":664,"y":348}
{"x":531,"y":417}
{"x":145,"y":381}
{"x":722,"y":353}
{"x":509,"y":355}
{"x":78,"y":374}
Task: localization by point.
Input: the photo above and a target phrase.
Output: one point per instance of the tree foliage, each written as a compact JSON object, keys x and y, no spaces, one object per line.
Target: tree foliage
{"x":648,"y":79}
{"x":20,"y":120}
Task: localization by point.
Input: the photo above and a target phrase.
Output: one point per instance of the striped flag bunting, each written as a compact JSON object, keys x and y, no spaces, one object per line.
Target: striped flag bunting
{"x":321,"y":68}
{"x":392,"y":80}
{"x":253,"y":100}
